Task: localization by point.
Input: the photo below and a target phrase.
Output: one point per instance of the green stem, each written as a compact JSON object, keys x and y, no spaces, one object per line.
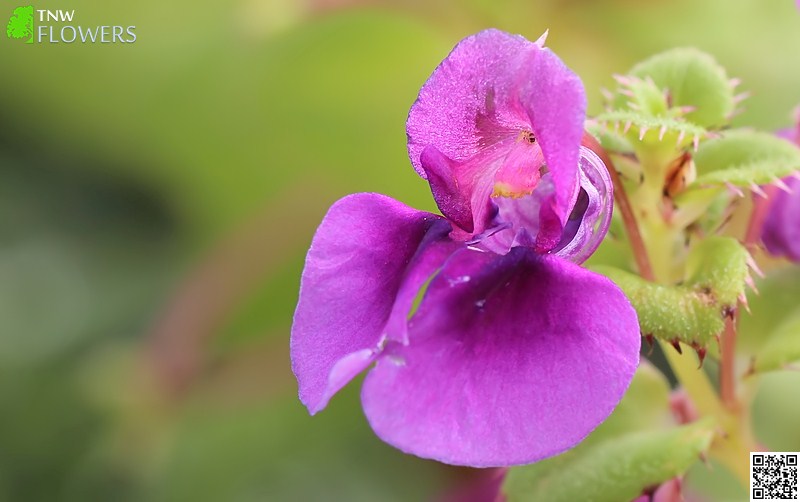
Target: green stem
{"x":733,"y":448}
{"x":694,"y":381}
{"x":662,"y":242}
{"x":727,"y":364}
{"x":623,"y":204}
{"x":653,"y":237}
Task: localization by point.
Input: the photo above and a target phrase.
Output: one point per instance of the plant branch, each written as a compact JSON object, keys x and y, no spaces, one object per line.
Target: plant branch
{"x":727,"y":377}
{"x":624,"y":205}
{"x":693,"y":380}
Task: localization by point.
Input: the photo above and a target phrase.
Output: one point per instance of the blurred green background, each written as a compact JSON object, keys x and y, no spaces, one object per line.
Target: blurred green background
{"x":157,"y":199}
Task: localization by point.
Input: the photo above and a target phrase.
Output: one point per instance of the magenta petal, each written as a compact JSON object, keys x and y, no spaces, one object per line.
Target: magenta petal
{"x":468,"y":103}
{"x":510,"y":359}
{"x":556,"y":103}
{"x":483,"y":100}
{"x":591,"y":216}
{"x":453,"y":203}
{"x":368,"y":259}
{"x":781,"y":231}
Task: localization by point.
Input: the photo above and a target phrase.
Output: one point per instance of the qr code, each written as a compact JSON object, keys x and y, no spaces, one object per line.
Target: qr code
{"x":773,"y":476}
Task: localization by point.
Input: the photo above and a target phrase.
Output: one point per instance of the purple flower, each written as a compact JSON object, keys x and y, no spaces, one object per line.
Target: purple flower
{"x":781,"y":230}
{"x":515,"y":353}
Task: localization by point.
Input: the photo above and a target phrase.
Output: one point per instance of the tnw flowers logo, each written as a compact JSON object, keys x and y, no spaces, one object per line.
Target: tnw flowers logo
{"x":46,"y":26}
{"x":21,"y":24}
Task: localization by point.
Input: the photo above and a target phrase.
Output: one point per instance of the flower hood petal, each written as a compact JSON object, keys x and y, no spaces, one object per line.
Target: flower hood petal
{"x":478,"y":108}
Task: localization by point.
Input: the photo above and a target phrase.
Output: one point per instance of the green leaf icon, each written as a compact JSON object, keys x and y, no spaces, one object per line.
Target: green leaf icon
{"x":21,"y":24}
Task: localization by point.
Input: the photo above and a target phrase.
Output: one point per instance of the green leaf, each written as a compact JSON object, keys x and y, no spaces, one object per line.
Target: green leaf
{"x":691,"y":78}
{"x":706,"y":206}
{"x":614,"y":470}
{"x":718,"y":266}
{"x":744,"y":158}
{"x":694,"y":311}
{"x":642,"y":95}
{"x":610,"y":140}
{"x":632,"y":450}
{"x":741,"y":158}
{"x":669,"y":312}
{"x":782,"y":347}
{"x":677,"y":132}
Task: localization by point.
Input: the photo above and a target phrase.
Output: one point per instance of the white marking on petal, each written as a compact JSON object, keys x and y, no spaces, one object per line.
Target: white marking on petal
{"x":395,"y":359}
{"x":459,"y":280}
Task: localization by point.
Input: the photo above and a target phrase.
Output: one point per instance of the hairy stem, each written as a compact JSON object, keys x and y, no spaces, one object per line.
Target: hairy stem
{"x":733,"y":446}
{"x":697,"y":386}
{"x":694,"y":381}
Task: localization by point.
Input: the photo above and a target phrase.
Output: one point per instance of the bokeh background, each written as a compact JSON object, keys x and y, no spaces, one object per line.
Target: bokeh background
{"x":157,"y":199}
